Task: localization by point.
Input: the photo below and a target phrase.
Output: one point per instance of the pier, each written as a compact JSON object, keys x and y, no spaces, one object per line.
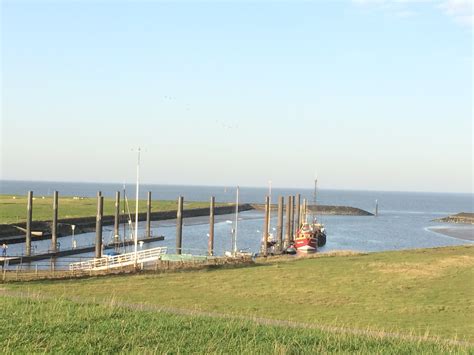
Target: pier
{"x":19,"y":259}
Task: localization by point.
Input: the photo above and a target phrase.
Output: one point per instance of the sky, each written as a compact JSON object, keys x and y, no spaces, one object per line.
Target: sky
{"x":366,"y":94}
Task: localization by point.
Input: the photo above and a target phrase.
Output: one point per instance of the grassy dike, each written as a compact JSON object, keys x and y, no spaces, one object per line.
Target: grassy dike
{"x":13,"y":208}
{"x":393,"y":295}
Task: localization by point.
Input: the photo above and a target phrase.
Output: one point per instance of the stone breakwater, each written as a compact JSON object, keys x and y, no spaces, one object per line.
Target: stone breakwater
{"x":326,"y":210}
{"x":463,"y":217}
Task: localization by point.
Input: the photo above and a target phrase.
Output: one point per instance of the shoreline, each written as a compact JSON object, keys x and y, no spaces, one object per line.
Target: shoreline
{"x":462,"y":233}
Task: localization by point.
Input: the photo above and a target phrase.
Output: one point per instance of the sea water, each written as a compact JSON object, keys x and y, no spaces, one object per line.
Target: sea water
{"x":403,"y":222}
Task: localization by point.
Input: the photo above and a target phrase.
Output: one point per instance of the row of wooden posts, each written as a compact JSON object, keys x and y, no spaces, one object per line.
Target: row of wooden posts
{"x":98,"y":225}
{"x":295,"y":213}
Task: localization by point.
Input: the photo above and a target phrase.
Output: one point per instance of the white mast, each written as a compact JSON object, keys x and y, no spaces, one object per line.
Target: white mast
{"x":270,"y":207}
{"x":314,"y":198}
{"x":136,"y":206}
{"x":236,"y":222}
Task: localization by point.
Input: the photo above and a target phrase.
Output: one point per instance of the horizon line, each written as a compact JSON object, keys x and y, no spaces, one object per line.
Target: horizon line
{"x":234,"y":186}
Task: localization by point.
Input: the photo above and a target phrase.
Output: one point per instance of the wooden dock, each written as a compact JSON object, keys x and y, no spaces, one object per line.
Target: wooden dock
{"x":15,"y":260}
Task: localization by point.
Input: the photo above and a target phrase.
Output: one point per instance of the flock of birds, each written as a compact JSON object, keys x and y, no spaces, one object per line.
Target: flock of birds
{"x":219,"y":123}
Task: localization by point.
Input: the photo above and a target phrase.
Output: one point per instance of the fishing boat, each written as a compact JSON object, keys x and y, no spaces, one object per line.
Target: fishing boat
{"x":310,"y":236}
{"x":306,"y":239}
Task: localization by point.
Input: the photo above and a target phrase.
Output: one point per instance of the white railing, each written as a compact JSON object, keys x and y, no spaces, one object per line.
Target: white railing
{"x":117,"y":261}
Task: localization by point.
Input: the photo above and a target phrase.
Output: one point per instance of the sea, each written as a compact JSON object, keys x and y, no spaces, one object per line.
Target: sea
{"x":405,"y":219}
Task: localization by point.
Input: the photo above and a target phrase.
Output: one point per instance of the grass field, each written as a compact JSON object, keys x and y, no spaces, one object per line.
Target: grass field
{"x":420,"y":292}
{"x":13,"y":208}
{"x":66,"y":327}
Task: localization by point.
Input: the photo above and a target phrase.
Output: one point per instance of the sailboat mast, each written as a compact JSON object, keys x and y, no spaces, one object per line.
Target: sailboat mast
{"x":122,"y":218}
{"x":136,"y":206}
{"x":313,"y":210}
{"x":236,"y":221}
{"x":270,"y":207}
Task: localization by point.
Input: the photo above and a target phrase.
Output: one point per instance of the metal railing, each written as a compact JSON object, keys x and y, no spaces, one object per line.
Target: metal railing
{"x":118,"y":261}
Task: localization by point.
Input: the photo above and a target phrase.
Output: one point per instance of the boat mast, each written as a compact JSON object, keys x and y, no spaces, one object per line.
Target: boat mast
{"x":122,"y":219}
{"x":136,"y":207}
{"x":270,"y":214}
{"x":313,"y":210}
{"x":236,"y":222}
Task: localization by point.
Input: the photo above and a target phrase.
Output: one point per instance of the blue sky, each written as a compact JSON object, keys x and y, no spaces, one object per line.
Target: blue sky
{"x":367,"y":94}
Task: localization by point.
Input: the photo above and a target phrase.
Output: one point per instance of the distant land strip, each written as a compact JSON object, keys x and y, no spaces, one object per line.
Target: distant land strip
{"x":463,"y":217}
{"x":11,"y":235}
{"x":326,"y":210}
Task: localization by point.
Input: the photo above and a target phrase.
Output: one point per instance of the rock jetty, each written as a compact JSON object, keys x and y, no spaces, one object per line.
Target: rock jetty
{"x":463,"y":217}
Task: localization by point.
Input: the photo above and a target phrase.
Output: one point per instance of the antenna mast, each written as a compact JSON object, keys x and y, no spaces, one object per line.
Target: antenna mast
{"x":234,"y":247}
{"x":136,"y":206}
{"x":313,"y":210}
{"x":270,"y":207}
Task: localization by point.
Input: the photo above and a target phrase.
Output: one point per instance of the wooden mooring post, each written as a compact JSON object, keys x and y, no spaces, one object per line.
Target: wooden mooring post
{"x":29,"y":216}
{"x":280,"y":224}
{"x":210,"y":244}
{"x":297,"y":213}
{"x":54,"y":227}
{"x":265,"y":227}
{"x":179,"y":226}
{"x":148,"y":215}
{"x":98,"y":226}
{"x":288,"y":223}
{"x":292,"y":217}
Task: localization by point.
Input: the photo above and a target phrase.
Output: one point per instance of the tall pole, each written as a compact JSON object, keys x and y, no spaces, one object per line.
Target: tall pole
{"x":297,"y":213}
{"x":376,"y":208}
{"x":210,"y":244}
{"x":288,"y":223}
{"x":54,"y":227}
{"x":303,"y":213}
{"x":148,"y":215}
{"x":292,"y":217}
{"x":98,"y":226}
{"x":117,"y":216}
{"x":236,"y":221}
{"x":136,"y":206}
{"x":313,"y":209}
{"x":124,"y":217}
{"x":280,"y":223}
{"x":265,"y":227}
{"x":179,"y":225}
{"x":270,"y":196}
{"x":29,"y":217}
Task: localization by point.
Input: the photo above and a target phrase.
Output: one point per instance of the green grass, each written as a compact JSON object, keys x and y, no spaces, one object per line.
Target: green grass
{"x":61,"y":326}
{"x":422,"y":292}
{"x":13,"y":207}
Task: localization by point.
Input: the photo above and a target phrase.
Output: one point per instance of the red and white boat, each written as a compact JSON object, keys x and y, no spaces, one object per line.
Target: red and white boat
{"x":306,"y":239}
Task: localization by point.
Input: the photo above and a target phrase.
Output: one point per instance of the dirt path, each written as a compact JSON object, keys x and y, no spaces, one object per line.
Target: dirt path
{"x":257,"y":320}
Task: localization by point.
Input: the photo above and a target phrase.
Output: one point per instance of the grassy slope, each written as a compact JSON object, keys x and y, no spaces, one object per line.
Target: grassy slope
{"x":66,"y":327}
{"x":420,"y":290}
{"x":14,"y":210}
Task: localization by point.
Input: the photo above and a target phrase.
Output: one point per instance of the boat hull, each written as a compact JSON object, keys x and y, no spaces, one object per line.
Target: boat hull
{"x":306,"y":245}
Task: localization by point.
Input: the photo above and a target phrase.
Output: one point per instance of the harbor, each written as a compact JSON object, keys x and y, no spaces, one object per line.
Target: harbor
{"x":365,"y":234}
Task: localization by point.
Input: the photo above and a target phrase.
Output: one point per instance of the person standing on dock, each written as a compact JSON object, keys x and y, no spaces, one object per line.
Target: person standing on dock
{"x":4,"y":250}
